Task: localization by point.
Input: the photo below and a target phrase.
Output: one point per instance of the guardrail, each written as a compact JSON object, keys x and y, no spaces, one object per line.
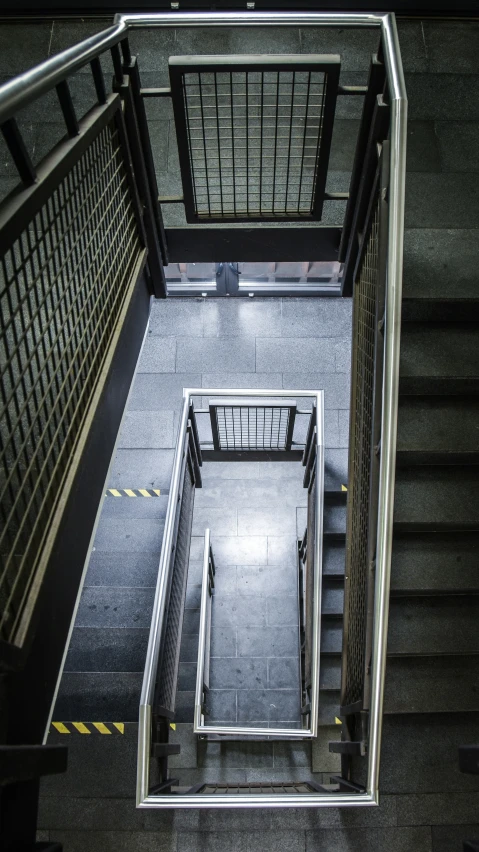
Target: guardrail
{"x":32,"y":84}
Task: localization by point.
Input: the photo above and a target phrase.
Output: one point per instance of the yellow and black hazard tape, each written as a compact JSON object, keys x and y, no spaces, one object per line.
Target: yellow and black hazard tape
{"x":89,"y":727}
{"x":135,"y":492}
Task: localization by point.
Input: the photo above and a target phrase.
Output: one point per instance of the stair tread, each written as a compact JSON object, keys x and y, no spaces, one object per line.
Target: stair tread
{"x":431,"y":265}
{"x":444,"y":309}
{"x":437,"y":495}
{"x":419,"y":753}
{"x":432,"y":684}
{"x":433,"y":625}
{"x":439,"y":350}
{"x":426,"y":563}
{"x":438,"y":424}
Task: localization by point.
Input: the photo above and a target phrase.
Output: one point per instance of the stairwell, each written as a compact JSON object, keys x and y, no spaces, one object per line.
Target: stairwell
{"x":427,"y":805}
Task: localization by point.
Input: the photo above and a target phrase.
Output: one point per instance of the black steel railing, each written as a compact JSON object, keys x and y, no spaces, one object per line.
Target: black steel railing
{"x":364,"y":459}
{"x":73,"y":239}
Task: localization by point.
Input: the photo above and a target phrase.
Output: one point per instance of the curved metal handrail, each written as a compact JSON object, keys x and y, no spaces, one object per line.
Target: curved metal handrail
{"x":22,"y":90}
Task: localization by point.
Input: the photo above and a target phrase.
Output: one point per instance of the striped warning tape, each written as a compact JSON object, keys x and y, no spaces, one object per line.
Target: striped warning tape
{"x":135,"y":492}
{"x":89,"y":727}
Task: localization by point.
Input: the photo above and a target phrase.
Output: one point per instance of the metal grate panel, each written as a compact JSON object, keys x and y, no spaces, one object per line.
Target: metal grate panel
{"x":168,"y":672}
{"x":244,"y":424}
{"x":286,"y":788}
{"x":357,"y":567}
{"x":64,"y":277}
{"x":254,"y":134}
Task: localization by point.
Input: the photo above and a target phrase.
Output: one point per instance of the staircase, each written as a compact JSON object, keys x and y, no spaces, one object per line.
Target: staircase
{"x":431,"y":692}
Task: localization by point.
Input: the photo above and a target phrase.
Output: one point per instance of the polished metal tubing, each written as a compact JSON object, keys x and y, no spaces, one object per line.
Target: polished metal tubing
{"x":22,"y":90}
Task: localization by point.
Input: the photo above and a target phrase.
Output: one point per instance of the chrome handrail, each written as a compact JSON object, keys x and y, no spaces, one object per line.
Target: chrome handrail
{"x":23,"y":89}
{"x":300,"y":733}
{"x":203,"y":632}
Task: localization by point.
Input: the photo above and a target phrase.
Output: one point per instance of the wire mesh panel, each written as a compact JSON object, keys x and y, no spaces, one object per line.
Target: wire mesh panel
{"x":286,"y":788}
{"x":69,"y":250}
{"x":252,"y":424}
{"x":254,"y":134}
{"x":363,"y":484}
{"x":170,"y":659}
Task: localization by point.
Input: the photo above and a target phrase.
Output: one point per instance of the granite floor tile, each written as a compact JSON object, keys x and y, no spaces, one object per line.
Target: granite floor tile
{"x":236,"y":611}
{"x":232,"y":40}
{"x":163,"y":391}
{"x":268,"y":522}
{"x":158,"y":355}
{"x":253,"y":580}
{"x":252,"y":318}
{"x":221,"y":705}
{"x":273,"y":641}
{"x":370,"y":839}
{"x":205,"y":354}
{"x":141,"y":469}
{"x":282,"y":550}
{"x":117,"y":841}
{"x":224,"y":641}
{"x":89,"y":814}
{"x":452,"y":44}
{"x":282,"y":610}
{"x":184,"y":736}
{"x":221,"y":522}
{"x":153,"y":47}
{"x":458,"y":144}
{"x":277,"y":705}
{"x":239,"y":755}
{"x":34,"y":42}
{"x":266,"y":380}
{"x":292,"y":755}
{"x":231,"y":470}
{"x":442,"y":97}
{"x":294,"y":354}
{"x":147,"y":430}
{"x":237,"y":673}
{"x":423,"y":148}
{"x":336,"y":386}
{"x":283,"y":672}
{"x":355,"y":46}
{"x":247,"y":494}
{"x":234,"y":550}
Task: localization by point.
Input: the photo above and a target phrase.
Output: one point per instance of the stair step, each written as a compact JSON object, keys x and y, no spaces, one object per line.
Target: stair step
{"x":330,"y":671}
{"x":439,"y":428}
{"x":431,"y":267}
{"x":334,"y":554}
{"x":439,"y":350}
{"x":440,"y":310}
{"x":432,"y":685}
{"x":442,"y":497}
{"x":331,"y":635}
{"x":419,"y":753}
{"x":332,"y":602}
{"x":435,"y":563}
{"x":435,"y":625}
{"x":328,"y":706}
